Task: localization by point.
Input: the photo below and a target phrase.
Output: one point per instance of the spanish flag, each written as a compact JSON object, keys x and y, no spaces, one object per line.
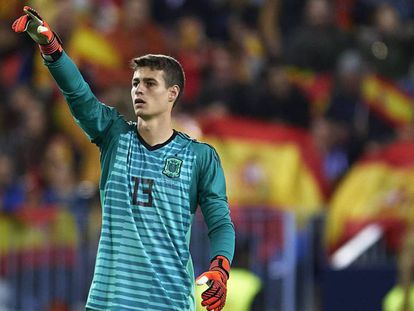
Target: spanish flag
{"x":383,"y":96}
{"x":267,"y":164}
{"x":378,"y":189}
{"x":388,"y":101}
{"x":317,"y":87}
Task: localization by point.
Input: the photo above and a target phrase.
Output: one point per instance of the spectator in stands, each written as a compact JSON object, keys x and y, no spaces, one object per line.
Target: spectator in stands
{"x":12,"y":192}
{"x":135,"y":17}
{"x":213,"y":14}
{"x":191,"y":49}
{"x":27,"y":128}
{"x":362,"y":9}
{"x":278,"y":19}
{"x":225,"y":90}
{"x":346,"y":115}
{"x":270,"y":28}
{"x":60,"y":181}
{"x":246,"y":38}
{"x":348,"y":107}
{"x":317,"y":42}
{"x":387,"y":42}
{"x":280,"y":101}
{"x":350,"y":122}
{"x":10,"y":59}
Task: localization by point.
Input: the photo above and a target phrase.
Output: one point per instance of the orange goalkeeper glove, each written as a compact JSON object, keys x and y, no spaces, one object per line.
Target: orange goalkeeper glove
{"x":214,"y":297}
{"x":32,"y":23}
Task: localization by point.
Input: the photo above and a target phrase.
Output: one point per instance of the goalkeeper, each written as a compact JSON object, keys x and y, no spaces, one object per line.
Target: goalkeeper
{"x":152,"y":180}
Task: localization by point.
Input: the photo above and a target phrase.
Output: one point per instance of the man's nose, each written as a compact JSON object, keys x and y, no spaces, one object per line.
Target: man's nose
{"x":138,"y":89}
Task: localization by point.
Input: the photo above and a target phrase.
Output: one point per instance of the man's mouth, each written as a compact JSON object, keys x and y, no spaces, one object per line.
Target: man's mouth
{"x":139,"y":101}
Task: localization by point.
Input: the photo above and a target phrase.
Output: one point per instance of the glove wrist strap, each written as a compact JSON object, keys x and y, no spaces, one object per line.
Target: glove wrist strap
{"x":53,"y":50}
{"x":222,"y":264}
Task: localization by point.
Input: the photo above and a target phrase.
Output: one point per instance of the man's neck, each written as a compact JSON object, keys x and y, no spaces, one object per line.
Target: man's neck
{"x":154,"y":131}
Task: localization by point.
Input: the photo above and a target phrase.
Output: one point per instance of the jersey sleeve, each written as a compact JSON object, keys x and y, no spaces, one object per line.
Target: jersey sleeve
{"x":90,"y":114}
{"x":212,"y":200}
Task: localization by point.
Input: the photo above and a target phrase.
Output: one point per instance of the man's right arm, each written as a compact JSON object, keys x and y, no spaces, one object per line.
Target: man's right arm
{"x":93,"y":117}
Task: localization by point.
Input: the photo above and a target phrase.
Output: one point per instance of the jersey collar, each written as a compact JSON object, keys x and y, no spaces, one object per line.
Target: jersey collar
{"x":157,"y":146}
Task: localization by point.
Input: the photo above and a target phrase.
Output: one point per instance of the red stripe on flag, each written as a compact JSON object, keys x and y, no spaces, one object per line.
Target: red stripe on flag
{"x":253,"y":130}
{"x":398,"y":154}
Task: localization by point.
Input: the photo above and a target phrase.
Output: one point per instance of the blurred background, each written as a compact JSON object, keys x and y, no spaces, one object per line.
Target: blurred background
{"x":309,"y":104}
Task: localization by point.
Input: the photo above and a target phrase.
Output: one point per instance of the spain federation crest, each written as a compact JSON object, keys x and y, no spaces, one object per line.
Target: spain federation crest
{"x":172,"y":167}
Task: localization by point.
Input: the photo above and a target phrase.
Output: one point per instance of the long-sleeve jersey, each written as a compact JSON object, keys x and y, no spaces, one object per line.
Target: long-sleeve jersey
{"x":149,"y":195}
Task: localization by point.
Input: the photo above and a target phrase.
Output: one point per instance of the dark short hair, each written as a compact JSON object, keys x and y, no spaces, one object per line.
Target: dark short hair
{"x":173,"y":71}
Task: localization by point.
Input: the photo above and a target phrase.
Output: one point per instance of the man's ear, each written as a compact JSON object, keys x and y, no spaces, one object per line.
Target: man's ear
{"x":173,"y":93}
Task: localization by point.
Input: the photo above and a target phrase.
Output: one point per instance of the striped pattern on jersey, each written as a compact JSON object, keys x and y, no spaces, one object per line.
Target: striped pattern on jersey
{"x":143,"y":251}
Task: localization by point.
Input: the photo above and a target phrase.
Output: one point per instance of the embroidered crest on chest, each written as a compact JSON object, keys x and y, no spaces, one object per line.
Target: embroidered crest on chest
{"x":172,"y":167}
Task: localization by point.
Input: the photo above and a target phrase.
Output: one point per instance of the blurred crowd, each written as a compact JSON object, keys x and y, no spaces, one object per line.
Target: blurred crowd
{"x":300,"y":63}
{"x":238,"y":56}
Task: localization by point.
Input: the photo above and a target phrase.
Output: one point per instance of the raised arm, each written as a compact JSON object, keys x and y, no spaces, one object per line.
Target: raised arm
{"x":92,"y":116}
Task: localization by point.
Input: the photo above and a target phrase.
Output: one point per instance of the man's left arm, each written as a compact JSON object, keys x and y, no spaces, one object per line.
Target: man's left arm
{"x":212,"y":199}
{"x":215,"y":209}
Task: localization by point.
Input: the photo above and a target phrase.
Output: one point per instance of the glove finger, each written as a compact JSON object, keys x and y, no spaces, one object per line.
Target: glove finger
{"x":214,"y":306}
{"x":20,"y":24}
{"x":14,"y":25}
{"x":33,"y":15}
{"x":207,"y":296}
{"x":212,"y":292}
{"x":223,"y":302}
{"x":210,"y":301}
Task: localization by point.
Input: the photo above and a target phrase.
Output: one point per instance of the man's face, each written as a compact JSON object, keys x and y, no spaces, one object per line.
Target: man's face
{"x":150,"y":96}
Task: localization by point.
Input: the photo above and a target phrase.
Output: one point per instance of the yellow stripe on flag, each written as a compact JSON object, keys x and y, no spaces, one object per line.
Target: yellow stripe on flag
{"x":388,"y":100}
{"x":265,"y":173}
{"x":372,"y":191}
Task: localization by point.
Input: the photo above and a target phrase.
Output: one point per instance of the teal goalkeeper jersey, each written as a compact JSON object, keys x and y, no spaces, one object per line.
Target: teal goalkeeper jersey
{"x":149,"y":195}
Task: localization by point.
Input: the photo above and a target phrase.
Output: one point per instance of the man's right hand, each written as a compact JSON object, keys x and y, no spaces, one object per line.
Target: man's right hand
{"x":39,"y":30}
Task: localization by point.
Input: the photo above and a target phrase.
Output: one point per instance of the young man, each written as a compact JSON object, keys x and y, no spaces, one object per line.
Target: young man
{"x":152,"y":180}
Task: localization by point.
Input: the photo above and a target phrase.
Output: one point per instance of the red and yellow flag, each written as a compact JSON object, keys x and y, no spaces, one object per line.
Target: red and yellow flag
{"x":384,"y":97}
{"x":267,"y":164}
{"x":378,"y":189}
{"x":388,"y":100}
{"x":317,"y":87}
